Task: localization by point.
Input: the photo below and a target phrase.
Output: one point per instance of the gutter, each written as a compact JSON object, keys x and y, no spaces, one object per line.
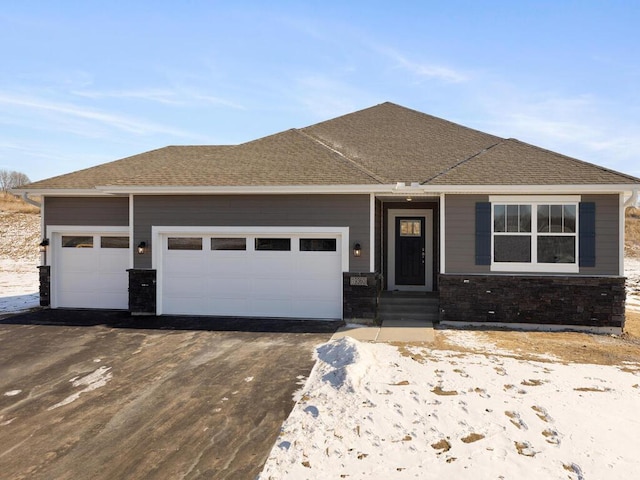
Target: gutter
{"x":632,"y":200}
{"x":25,"y":197}
{"x":400,"y":188}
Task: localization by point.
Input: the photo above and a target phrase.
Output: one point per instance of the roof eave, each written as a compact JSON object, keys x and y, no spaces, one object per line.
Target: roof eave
{"x":394,"y":189}
{"x":601,"y":188}
{"x":62,"y":192}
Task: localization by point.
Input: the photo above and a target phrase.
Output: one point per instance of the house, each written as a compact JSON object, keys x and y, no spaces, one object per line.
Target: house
{"x":318,"y":222}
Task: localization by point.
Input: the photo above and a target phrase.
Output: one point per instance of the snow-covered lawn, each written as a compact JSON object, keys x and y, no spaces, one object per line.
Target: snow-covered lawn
{"x":382,"y":411}
{"x":18,"y":285}
{"x":632,"y":271}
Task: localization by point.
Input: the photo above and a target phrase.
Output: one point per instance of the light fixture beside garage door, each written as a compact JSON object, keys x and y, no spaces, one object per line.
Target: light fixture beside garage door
{"x":43,"y":245}
{"x":142,"y":246}
{"x":357,"y":250}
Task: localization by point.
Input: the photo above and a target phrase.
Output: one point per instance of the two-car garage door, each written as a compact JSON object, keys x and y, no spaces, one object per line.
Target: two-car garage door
{"x":255,"y":275}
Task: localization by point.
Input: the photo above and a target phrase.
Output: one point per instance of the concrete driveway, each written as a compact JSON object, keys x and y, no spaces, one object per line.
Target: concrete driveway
{"x":101,"y":401}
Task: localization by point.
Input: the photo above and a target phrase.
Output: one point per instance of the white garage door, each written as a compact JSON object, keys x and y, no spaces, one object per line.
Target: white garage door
{"x":90,"y":270}
{"x":283,"y":275}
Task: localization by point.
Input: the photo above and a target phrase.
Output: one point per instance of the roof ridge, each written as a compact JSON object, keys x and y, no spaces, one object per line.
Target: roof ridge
{"x":463,"y":161}
{"x":348,"y":160}
{"x":412,"y":111}
{"x":576,"y":160}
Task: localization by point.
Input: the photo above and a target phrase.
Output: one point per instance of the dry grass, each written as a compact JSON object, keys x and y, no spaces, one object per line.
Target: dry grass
{"x":632,"y":232}
{"x":12,"y":204}
{"x":569,"y":347}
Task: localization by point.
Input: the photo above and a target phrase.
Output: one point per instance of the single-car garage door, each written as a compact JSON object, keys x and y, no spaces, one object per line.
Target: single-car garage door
{"x":90,"y":270}
{"x":252,"y":275}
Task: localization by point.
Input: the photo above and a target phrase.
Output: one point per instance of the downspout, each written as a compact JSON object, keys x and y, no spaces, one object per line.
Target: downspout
{"x":631,"y":202}
{"x":25,"y":197}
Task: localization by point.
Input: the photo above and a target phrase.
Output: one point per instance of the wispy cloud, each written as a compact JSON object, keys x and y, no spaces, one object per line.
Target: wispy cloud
{"x":427,"y":70}
{"x":119,"y":122}
{"x":577,"y":125}
{"x":326,"y":97}
{"x":153,"y":94}
{"x":177,"y":97}
{"x":424,"y":70}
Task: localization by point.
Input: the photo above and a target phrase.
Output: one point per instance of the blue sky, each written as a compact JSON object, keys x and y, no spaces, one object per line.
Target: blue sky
{"x":85,"y":82}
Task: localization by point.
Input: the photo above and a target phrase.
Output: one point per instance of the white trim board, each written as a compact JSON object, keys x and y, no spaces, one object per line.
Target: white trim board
{"x":389,"y":189}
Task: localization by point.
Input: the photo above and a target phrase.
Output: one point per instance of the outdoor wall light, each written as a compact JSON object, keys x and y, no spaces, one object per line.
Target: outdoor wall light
{"x":43,"y":245}
{"x":142,"y":246}
{"x":357,"y":250}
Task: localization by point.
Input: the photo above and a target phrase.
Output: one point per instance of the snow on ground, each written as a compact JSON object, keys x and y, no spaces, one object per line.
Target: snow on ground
{"x":19,"y":258}
{"x":382,"y":411}
{"x":632,"y":272}
{"x":92,"y":381}
{"x":18,"y":285}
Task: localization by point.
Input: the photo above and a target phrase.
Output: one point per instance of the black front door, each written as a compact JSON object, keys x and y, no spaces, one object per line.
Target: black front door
{"x":410,"y":251}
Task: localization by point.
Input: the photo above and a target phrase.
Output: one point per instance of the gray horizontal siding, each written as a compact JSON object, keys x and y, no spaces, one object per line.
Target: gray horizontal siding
{"x":460,"y":234}
{"x":255,"y":210}
{"x":99,"y":211}
{"x":607,"y":235}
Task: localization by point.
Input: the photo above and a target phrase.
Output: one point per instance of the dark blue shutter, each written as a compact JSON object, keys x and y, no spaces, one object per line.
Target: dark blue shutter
{"x":483,"y":233}
{"x":587,"y":234}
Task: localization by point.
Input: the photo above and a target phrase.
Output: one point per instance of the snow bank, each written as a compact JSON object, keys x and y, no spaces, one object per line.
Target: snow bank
{"x":377,"y":411}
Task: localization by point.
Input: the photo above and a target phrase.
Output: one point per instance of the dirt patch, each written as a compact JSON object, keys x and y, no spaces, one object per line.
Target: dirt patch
{"x":569,"y":347}
{"x":439,"y":391}
{"x":443,"y":445}
{"x":472,"y":437}
{"x":524,"y":448}
{"x":632,"y":324}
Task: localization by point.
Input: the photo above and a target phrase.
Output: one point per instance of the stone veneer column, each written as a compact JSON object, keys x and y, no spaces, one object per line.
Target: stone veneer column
{"x":360,"y":297}
{"x":142,"y":291}
{"x":45,"y":285}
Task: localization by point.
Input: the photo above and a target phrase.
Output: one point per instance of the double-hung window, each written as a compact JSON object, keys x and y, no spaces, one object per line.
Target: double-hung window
{"x":536,"y":234}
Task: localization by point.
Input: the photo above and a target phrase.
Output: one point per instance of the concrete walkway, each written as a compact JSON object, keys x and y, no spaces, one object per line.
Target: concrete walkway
{"x":402,"y":331}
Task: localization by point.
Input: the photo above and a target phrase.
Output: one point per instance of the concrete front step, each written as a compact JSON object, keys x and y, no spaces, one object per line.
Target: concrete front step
{"x":406,"y":307}
{"x":422,"y":316}
{"x":402,"y":300}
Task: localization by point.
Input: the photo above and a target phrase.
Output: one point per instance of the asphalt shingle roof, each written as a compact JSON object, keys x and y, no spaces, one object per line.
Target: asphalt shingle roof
{"x":383,"y":144}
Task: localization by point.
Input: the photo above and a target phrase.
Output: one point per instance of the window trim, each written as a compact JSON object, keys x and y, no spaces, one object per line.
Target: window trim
{"x":534,"y":201}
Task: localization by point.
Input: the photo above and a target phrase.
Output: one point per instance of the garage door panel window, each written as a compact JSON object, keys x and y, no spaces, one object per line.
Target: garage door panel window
{"x":273,"y":244}
{"x":75,"y":241}
{"x":228,"y":244}
{"x":184,"y":243}
{"x":114,"y":242}
{"x":318,"y":245}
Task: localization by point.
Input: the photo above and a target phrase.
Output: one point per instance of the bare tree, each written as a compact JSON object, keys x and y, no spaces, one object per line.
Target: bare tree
{"x":4,"y":180}
{"x":12,"y":179}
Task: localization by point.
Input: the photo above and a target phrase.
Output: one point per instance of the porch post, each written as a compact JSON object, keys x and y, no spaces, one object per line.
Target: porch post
{"x":442,"y":235}
{"x":372,"y":232}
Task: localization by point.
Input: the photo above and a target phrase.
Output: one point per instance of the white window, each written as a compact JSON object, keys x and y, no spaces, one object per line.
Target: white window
{"x":534,"y":234}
